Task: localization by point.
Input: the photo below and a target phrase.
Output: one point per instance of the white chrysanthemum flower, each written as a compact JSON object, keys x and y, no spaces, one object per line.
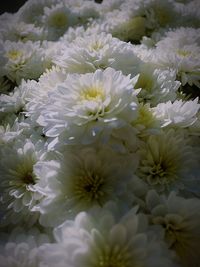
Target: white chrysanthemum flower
{"x":85,"y":10}
{"x":71,"y":34}
{"x":135,"y":19}
{"x":7,"y":18}
{"x":15,"y":128}
{"x":180,"y":219}
{"x":18,"y":179}
{"x":191,"y":13}
{"x":39,"y":91}
{"x":50,"y":51}
{"x":100,"y":238}
{"x":23,"y":60}
{"x":145,"y":53}
{"x":167,"y":162}
{"x":20,"y":31}
{"x":127,"y":24}
{"x":33,"y":10}
{"x":22,"y":248}
{"x":179,"y":36}
{"x":110,"y":6}
{"x":146,"y":123}
{"x":82,"y":178}
{"x":15,"y":101}
{"x":177,"y":114}
{"x":85,"y":107}
{"x":98,"y":51}
{"x":157,"y":85}
{"x":57,"y":19}
{"x":180,"y":50}
{"x":160,"y":14}
{"x":9,"y":133}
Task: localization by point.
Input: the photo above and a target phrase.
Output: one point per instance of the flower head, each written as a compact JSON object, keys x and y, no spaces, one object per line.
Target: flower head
{"x":81,"y":179}
{"x":21,"y":249}
{"x":156,"y":85}
{"x":178,"y":114}
{"x":98,"y":51}
{"x":180,"y":220}
{"x":107,"y":241}
{"x":179,"y":50}
{"x":23,"y":60}
{"x":89,"y":105}
{"x":167,"y":162}
{"x":57,"y":19}
{"x":18,"y":179}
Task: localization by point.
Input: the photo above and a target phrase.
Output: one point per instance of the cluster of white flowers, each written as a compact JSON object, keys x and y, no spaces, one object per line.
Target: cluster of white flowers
{"x":100,"y":134}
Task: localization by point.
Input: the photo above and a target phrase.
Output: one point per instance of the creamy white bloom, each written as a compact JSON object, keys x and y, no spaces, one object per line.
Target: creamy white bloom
{"x":127,"y":24}
{"x":191,"y":14}
{"x":180,"y":219}
{"x":9,"y":133}
{"x":146,"y":123}
{"x":95,"y":119}
{"x":20,"y":31}
{"x":33,"y":10}
{"x":57,"y":19}
{"x":71,"y":34}
{"x":38,"y":91}
{"x":6,"y":18}
{"x":21,"y":250}
{"x":14,"y":126}
{"x":101,"y":238}
{"x":18,"y":179}
{"x":177,"y":114}
{"x":180,"y":50}
{"x":85,"y":107}
{"x":134,"y":19}
{"x":23,"y":60}
{"x":168,"y":163}
{"x":157,"y":85}
{"x":160,"y":14}
{"x":98,"y":51}
{"x":15,"y":101}
{"x":81,"y":178}
{"x":179,"y":36}
{"x":146,"y":53}
{"x":86,"y":10}
{"x":109,"y":6}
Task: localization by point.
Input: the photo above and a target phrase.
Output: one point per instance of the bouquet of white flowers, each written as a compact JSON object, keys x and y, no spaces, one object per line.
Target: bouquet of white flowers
{"x":100,"y":134}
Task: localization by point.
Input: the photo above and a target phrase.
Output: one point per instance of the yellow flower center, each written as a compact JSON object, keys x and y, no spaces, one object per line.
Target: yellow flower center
{"x":161,"y":173}
{"x":115,"y":256}
{"x":174,"y":230}
{"x":145,"y":117}
{"x":89,"y":187}
{"x":96,"y":46}
{"x":132,"y":30}
{"x":157,"y":171}
{"x":92,"y":93}
{"x":24,"y":174}
{"x":14,"y":54}
{"x":144,"y":81}
{"x":58,"y":20}
{"x":183,"y":53}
